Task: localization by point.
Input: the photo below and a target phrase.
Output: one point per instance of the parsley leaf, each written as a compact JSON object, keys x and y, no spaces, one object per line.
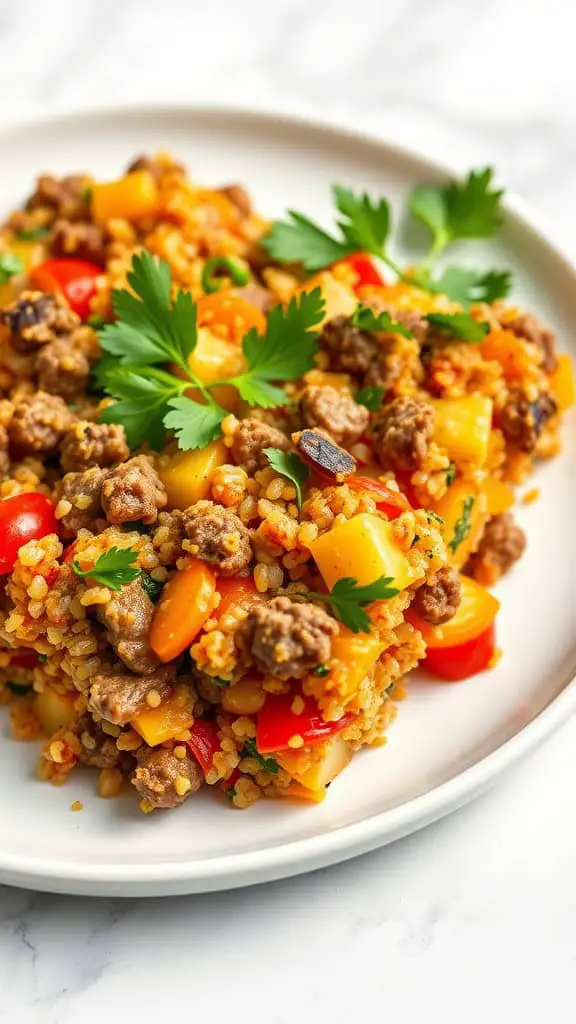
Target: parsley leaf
{"x":365,"y":318}
{"x":301,"y":240}
{"x":321,"y":671}
{"x":144,"y":394}
{"x":290,"y":465}
{"x":451,"y":474}
{"x":460,"y":210}
{"x":367,"y":221}
{"x":267,"y":764}
{"x":151,"y":586}
{"x":466,"y":286}
{"x":9,"y":266}
{"x":32,"y":234}
{"x":348,"y":600}
{"x":370,"y":397}
{"x":461,"y":326}
{"x":462,"y":525}
{"x":285,"y":352}
{"x":114,"y":569}
{"x":195,"y":425}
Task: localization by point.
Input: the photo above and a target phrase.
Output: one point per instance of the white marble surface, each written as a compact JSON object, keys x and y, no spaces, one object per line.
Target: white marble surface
{"x":474,"y":918}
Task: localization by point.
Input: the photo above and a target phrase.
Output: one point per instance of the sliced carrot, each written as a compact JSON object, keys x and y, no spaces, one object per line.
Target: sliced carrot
{"x":187,"y":601}
{"x":231,"y":313}
{"x":235,"y":591}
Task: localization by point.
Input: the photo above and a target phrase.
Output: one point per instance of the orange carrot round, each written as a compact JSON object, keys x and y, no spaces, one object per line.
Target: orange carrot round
{"x":187,"y":601}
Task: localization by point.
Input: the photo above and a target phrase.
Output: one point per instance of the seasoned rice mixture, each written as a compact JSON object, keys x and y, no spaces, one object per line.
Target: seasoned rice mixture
{"x":251,"y":475}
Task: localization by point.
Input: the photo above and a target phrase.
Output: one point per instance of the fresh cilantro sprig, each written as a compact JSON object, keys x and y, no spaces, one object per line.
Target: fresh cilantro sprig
{"x":153,"y":332}
{"x":267,"y":764}
{"x":468,"y":209}
{"x":113,"y":569}
{"x":348,"y":600}
{"x":290,"y":465}
{"x":466,"y":286}
{"x":10,"y":264}
{"x":460,"y":326}
{"x":370,"y":397}
{"x":463,"y":524}
{"x":365,"y":318}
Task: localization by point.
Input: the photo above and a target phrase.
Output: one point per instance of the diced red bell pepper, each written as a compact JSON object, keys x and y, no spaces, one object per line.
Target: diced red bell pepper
{"x":392,"y":503}
{"x":76,"y":279}
{"x":464,"y":660}
{"x":23,"y":517}
{"x":228,"y":784}
{"x":24,"y":659}
{"x":362,"y":266}
{"x":277,"y":723}
{"x":204,"y":743}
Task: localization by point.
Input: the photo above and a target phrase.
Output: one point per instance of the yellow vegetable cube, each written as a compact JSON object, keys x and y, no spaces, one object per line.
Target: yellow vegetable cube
{"x":562,"y":382}
{"x":158,"y":725}
{"x":452,"y":508}
{"x":130,"y":198}
{"x":54,"y":710}
{"x":363,"y":547}
{"x":335,"y":758}
{"x":462,"y":426}
{"x":355,"y":654}
{"x":187,"y":475}
{"x":339,"y":300}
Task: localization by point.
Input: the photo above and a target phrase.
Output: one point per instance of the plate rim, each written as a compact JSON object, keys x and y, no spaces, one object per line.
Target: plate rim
{"x":234,"y":870}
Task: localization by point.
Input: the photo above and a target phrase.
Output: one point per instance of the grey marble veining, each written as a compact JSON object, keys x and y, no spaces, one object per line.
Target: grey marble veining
{"x":475,"y":918}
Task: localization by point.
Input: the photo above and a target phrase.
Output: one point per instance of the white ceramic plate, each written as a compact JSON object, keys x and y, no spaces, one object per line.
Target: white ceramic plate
{"x":450,"y":741}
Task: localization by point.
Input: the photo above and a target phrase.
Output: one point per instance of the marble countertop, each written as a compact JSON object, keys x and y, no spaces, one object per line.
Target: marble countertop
{"x":475,"y":917}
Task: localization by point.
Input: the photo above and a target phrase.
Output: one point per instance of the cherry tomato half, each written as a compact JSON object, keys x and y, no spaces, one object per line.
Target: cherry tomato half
{"x":392,"y":503}
{"x":23,"y":517}
{"x":204,"y":743}
{"x":456,"y":663}
{"x":277,"y":723}
{"x":76,"y":279}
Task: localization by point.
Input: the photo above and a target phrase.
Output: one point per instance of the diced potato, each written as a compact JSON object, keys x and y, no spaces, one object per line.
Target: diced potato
{"x":500,"y":496}
{"x":363,"y":547}
{"x":340,"y":301}
{"x":562,"y":383}
{"x":158,"y":725}
{"x":215,"y":358}
{"x":451,"y":508}
{"x":338,"y":381}
{"x":299,"y":792}
{"x":462,"y":426}
{"x":187,"y":475}
{"x":54,"y":710}
{"x":130,"y":198}
{"x":335,"y":758}
{"x":511,"y":352}
{"x":355,"y":654}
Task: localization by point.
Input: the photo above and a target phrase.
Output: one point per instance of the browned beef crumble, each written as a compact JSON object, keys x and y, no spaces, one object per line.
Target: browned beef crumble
{"x":119,"y":697}
{"x":373,"y":358}
{"x":239,"y":196}
{"x":39,"y":423}
{"x":133,"y":491}
{"x":349,"y":349}
{"x":502,"y":544}
{"x":36,"y":318}
{"x":78,"y":485}
{"x":403,"y":432}
{"x":62,"y":369}
{"x":289,"y":639}
{"x":156,"y":775}
{"x":336,"y":412}
{"x":219,"y":537}
{"x":4,"y":444}
{"x":157,"y":168}
{"x":67,"y":197}
{"x":439,"y":600}
{"x":522,"y":420}
{"x":93,"y":444}
{"x":97,"y":749}
{"x":81,"y":239}
{"x":251,"y":437}
{"x":127,"y":617}
{"x":527,"y":326}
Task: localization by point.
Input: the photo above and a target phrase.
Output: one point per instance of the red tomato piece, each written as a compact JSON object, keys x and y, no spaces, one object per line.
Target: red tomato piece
{"x":23,"y":517}
{"x":392,"y":503}
{"x":204,"y":743}
{"x":464,"y":660}
{"x":362,"y":265}
{"x":226,"y":784}
{"x":277,"y":723}
{"x":76,"y":279}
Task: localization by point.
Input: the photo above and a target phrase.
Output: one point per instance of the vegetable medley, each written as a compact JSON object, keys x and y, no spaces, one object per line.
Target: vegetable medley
{"x":251,"y":475}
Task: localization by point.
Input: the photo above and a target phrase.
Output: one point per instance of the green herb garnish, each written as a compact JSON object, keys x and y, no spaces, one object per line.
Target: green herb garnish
{"x":460,"y":326}
{"x":434,"y":517}
{"x":321,"y":671}
{"x":348,"y":600}
{"x":9,"y":266}
{"x":290,"y":465}
{"x":467,"y":286}
{"x":267,"y":764}
{"x":96,"y":321}
{"x":470,"y":209}
{"x":19,"y":689}
{"x":152,"y":328}
{"x":32,"y":234}
{"x":370,"y":397}
{"x":451,"y":474}
{"x":221,"y":271}
{"x":113,"y":569}
{"x":462,"y":525}
{"x":151,"y":586}
{"x":365,"y":318}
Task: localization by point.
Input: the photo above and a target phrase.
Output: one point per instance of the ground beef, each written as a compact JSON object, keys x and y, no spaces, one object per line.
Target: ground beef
{"x":62,"y":369}
{"x":218,"y":536}
{"x":438,"y":601}
{"x":93,"y":444}
{"x":334,"y":411}
{"x":521,"y":420}
{"x":81,"y":239}
{"x":127,"y":617}
{"x":82,"y":491}
{"x":159,"y":773}
{"x":39,"y":423}
{"x":37,"y":319}
{"x":68,"y":197}
{"x":349,"y":349}
{"x":527,"y":326}
{"x":239,"y":196}
{"x":251,"y":437}
{"x":501,"y":546}
{"x":375,"y":359}
{"x":403,"y":433}
{"x":119,"y":696}
{"x":289,"y":639}
{"x":256,"y":295}
{"x":133,"y":491}
{"x":97,"y":749}
{"x":157,"y":168}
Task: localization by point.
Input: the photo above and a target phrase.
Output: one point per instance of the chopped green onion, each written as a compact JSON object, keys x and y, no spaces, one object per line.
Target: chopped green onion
{"x":219,"y":269}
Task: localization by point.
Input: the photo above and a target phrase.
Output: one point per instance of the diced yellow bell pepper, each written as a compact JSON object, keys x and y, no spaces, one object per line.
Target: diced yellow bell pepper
{"x":158,"y":725}
{"x":130,"y":198}
{"x":451,"y":509}
{"x":562,"y":382}
{"x":355,"y":654}
{"x":339,"y":300}
{"x":363,"y":547}
{"x":213,"y":359}
{"x":462,"y":426}
{"x":500,"y":496}
{"x":54,"y":710}
{"x":335,"y":758}
{"x":298,"y":792}
{"x":187,"y":475}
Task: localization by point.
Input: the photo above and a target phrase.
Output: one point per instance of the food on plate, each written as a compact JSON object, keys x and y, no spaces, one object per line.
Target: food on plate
{"x":252,"y":474}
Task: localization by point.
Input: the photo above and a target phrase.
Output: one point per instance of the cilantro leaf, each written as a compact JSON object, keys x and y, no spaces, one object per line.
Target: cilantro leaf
{"x":451,"y":474}
{"x":462,"y":525}
{"x":367,"y":221}
{"x":427,"y":204}
{"x":433,"y":517}
{"x":144,"y":394}
{"x":267,"y":764}
{"x":290,"y":465}
{"x":460,"y":326}
{"x":114,"y":569}
{"x":466,"y":286}
{"x":9,"y":266}
{"x":460,"y":210}
{"x":348,"y":600}
{"x":301,"y":240}
{"x":370,"y":397}
{"x":285,"y":352}
{"x":32,"y":234}
{"x":365,"y":318}
{"x":195,"y":425}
